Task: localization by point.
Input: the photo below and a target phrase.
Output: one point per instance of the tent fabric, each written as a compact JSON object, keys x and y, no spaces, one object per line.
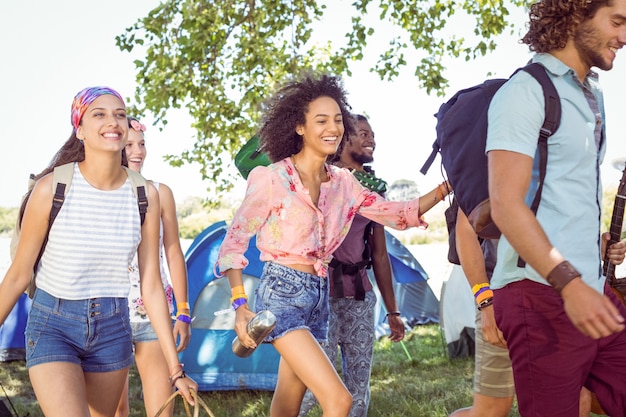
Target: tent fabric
{"x":458,"y":314}
{"x":12,"y":341}
{"x":209,"y":359}
{"x":416,"y":300}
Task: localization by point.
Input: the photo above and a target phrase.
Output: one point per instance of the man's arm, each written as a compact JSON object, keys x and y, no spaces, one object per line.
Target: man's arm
{"x":473,"y":264}
{"x":509,"y":178}
{"x":382,"y":272}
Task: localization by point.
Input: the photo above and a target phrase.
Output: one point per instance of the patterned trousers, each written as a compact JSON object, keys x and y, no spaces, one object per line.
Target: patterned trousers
{"x":350,"y":332}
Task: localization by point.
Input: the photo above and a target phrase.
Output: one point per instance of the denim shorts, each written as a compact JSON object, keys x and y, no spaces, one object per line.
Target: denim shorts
{"x":143,"y":332}
{"x":299,"y":300}
{"x":93,"y":333}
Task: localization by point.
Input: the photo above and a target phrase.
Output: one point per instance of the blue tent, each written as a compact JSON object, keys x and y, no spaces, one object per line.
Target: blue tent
{"x":12,"y":341}
{"x":209,"y":359}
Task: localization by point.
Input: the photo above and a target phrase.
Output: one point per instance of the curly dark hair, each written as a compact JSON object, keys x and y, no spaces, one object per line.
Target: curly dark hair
{"x":553,"y":22}
{"x":287,"y":108}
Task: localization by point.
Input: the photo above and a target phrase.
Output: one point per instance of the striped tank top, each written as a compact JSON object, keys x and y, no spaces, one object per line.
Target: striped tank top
{"x":91,"y":243}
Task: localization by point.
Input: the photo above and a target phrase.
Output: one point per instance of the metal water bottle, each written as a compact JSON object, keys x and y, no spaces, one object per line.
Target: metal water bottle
{"x":258,"y":328}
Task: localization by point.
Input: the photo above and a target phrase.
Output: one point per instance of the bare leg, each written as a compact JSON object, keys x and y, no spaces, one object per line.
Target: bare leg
{"x":123,"y":407}
{"x":153,"y":371}
{"x":60,"y":389}
{"x":304,"y":364}
{"x":104,"y":390}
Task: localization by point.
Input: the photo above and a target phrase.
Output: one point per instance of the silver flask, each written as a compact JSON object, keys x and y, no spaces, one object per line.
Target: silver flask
{"x":258,"y":328}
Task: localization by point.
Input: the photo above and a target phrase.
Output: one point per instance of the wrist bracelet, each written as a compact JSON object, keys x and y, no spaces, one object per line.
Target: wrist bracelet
{"x":183,"y":305}
{"x":179,"y":365}
{"x":173,"y":379}
{"x":184,"y":318}
{"x":485,"y":303}
{"x":238,"y":302}
{"x":485,"y":295}
{"x":477,"y":287}
{"x":236,"y":296}
{"x":239,"y":289}
{"x":561,"y":275}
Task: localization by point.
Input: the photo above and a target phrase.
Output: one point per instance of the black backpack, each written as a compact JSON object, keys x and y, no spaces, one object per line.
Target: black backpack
{"x":461,"y":141}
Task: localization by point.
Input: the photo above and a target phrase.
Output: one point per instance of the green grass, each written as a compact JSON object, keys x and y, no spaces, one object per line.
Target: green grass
{"x":425,"y":384}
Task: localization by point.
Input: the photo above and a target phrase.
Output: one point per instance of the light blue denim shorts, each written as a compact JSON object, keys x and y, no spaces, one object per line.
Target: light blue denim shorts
{"x":93,"y":333}
{"x":143,"y":332}
{"x":299,"y":300}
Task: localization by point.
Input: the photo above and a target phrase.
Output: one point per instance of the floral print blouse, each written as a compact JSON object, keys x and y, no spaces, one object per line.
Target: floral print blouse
{"x":290,"y":229}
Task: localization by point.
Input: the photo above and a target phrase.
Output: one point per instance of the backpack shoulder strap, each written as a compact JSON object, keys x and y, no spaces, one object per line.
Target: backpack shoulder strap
{"x":138,"y":183}
{"x":61,"y":181}
{"x":552,"y":121}
{"x":552,"y":105}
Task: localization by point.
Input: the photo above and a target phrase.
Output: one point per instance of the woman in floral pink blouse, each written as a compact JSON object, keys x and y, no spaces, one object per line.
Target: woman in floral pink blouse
{"x":300,"y":209}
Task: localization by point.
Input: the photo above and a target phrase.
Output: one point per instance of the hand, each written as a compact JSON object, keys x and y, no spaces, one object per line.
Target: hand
{"x":396,"y":325}
{"x":185,"y":385}
{"x":491,"y":332}
{"x":616,"y":251}
{"x":182,"y":334}
{"x":243,"y":317}
{"x":591,"y":312}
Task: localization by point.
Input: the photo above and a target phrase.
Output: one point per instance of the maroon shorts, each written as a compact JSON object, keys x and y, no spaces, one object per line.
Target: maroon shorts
{"x":552,"y":359}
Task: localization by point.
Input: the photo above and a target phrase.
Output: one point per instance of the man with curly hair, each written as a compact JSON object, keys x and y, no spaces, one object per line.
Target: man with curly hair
{"x":563,"y":325}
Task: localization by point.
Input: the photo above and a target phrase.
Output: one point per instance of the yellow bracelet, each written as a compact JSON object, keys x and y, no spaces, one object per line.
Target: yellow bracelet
{"x":183,"y":305}
{"x":237,"y":296}
{"x":484,"y":296}
{"x":238,"y":290}
{"x":477,"y":287}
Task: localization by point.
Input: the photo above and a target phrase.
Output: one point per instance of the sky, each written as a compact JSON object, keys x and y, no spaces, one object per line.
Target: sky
{"x":50,"y":50}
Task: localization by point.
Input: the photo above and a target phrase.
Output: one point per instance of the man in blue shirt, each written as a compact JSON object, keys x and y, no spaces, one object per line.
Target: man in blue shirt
{"x":563,"y":326}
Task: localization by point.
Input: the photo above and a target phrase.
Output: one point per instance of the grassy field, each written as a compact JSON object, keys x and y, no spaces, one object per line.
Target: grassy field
{"x":417,"y":379}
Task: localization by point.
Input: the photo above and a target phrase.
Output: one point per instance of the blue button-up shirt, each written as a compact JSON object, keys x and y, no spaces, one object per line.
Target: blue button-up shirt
{"x":570,"y":206}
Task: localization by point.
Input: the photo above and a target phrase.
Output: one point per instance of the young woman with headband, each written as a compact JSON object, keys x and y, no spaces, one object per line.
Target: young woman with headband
{"x":78,"y":336}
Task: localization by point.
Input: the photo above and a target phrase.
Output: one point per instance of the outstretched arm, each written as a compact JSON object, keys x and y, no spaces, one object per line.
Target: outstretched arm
{"x":430,"y":199}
